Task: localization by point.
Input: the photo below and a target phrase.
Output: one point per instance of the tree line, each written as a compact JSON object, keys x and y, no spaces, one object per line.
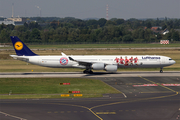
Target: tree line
{"x":72,"y":30}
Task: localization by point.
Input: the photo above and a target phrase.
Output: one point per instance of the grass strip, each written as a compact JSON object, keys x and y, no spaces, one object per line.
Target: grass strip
{"x":118,"y":45}
{"x":50,"y":88}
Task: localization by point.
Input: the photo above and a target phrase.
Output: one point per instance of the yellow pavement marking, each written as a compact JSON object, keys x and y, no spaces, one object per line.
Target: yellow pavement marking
{"x":12,"y":116}
{"x":81,"y":107}
{"x":105,"y":112}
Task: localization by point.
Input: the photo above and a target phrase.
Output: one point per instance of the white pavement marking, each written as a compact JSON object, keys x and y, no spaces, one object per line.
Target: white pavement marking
{"x":124,"y":95}
{"x":12,"y":116}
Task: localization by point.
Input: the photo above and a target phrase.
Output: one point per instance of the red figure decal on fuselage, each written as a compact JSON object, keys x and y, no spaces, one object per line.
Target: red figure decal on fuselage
{"x":131,"y":60}
{"x":126,"y":61}
{"x":121,"y":60}
{"x":117,"y":60}
{"x":135,"y":60}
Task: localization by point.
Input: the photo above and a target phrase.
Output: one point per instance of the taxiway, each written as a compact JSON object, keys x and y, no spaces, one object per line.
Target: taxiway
{"x":144,"y":98}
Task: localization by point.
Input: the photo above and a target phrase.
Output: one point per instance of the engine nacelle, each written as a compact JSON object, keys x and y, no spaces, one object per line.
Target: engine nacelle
{"x":98,"y":66}
{"x":111,"y":68}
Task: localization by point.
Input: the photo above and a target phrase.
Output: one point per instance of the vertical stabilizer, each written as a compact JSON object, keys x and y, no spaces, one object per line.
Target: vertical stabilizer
{"x":20,"y":48}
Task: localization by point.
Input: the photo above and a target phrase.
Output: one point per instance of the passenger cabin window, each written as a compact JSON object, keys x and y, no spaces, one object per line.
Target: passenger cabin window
{"x":170,"y":59}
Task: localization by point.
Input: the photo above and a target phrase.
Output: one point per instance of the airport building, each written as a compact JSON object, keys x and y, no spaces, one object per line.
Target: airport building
{"x":14,"y":20}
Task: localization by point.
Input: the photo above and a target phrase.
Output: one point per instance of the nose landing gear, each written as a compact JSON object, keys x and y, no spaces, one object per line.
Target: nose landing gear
{"x":161,"y":71}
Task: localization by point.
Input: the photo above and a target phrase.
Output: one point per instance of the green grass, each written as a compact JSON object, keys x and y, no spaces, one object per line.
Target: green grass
{"x":60,"y":46}
{"x":35,"y":96}
{"x":49,"y":87}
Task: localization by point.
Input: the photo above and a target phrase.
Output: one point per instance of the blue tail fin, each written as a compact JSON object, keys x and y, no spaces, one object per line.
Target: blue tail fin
{"x":20,"y":48}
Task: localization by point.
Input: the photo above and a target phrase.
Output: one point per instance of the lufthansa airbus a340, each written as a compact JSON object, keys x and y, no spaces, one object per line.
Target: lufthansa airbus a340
{"x":109,"y":63}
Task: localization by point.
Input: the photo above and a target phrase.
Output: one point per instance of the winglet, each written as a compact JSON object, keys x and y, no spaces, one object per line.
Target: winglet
{"x":20,"y":48}
{"x":63,"y":54}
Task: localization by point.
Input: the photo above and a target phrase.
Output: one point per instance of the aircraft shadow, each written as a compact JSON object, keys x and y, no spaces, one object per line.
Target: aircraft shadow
{"x":94,"y":73}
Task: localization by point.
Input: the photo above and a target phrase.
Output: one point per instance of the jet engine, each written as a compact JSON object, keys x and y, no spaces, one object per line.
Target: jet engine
{"x":102,"y":66}
{"x":98,"y":66}
{"x":111,"y":68}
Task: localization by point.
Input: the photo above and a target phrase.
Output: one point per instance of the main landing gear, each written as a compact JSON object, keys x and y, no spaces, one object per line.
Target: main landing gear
{"x":161,"y":71}
{"x":87,"y":71}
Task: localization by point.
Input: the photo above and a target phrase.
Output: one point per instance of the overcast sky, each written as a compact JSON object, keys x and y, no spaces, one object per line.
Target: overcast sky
{"x":92,"y":8}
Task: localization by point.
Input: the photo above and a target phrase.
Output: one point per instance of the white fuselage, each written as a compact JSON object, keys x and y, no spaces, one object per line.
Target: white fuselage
{"x":122,"y":61}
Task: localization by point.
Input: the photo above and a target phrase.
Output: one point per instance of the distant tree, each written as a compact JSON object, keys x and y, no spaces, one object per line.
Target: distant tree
{"x":159,"y":36}
{"x":141,"y":34}
{"x":157,"y":22}
{"x":33,"y":25}
{"x":175,"y":36}
{"x":2,"y":26}
{"x":35,"y":35}
{"x":10,"y":27}
{"x":119,"y":21}
{"x":164,"y":27}
{"x":109,"y":22}
{"x":4,"y":36}
{"x":102,"y":22}
{"x":92,"y":23}
{"x":25,"y":25}
{"x":148,"y":25}
{"x":78,"y":23}
{"x":20,"y":28}
{"x":54,"y":24}
{"x":127,"y":38}
{"x":40,"y":20}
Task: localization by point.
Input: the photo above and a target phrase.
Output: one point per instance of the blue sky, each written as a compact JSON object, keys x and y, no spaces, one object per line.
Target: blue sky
{"x":92,"y":8}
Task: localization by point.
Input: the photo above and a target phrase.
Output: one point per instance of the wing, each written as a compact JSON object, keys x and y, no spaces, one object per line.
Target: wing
{"x":81,"y":62}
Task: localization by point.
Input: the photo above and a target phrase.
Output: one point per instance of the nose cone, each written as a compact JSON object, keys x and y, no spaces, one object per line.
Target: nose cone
{"x":173,"y":61}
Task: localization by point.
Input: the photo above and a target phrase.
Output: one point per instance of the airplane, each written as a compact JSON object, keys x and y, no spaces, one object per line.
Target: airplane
{"x":109,"y":63}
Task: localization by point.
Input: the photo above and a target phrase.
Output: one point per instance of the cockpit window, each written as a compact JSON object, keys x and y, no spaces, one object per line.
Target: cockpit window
{"x":170,"y":59}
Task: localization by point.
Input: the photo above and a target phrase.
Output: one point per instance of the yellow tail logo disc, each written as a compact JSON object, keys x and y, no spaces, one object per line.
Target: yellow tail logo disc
{"x":18,"y":45}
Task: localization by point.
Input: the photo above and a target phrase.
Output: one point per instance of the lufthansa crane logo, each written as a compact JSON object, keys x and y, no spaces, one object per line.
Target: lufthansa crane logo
{"x":18,"y":45}
{"x":63,"y":61}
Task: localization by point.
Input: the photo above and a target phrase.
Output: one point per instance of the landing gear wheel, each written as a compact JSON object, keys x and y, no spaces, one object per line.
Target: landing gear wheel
{"x":88,"y":71}
{"x":161,"y":71}
{"x":85,"y":71}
